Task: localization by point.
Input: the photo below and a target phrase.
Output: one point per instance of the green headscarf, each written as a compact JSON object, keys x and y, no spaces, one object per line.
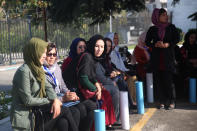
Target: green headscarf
{"x":32,"y":53}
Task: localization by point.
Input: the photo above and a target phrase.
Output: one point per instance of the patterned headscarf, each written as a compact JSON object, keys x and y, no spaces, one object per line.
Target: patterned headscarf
{"x":32,"y":53}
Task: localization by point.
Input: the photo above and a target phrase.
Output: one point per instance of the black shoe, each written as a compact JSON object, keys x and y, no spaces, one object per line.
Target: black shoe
{"x":133,"y":107}
{"x":110,"y":128}
{"x":117,"y":124}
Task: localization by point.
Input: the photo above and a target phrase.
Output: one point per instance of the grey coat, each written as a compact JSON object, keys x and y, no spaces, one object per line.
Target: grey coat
{"x":25,"y":94}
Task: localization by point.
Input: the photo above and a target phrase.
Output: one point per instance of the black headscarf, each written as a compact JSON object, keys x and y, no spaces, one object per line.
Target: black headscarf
{"x":91,"y":45}
{"x":191,"y":48}
{"x":86,"y":66}
{"x":186,"y":43}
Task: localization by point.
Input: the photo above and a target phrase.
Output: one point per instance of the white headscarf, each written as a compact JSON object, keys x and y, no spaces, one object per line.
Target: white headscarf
{"x":110,"y":35}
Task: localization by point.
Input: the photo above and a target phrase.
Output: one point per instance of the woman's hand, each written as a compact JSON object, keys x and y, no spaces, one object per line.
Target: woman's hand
{"x":160,"y":44}
{"x":70,"y":96}
{"x":113,"y":74}
{"x":99,"y":89}
{"x":98,"y":95}
{"x":118,"y":72}
{"x":56,"y":107}
{"x":166,"y":45}
{"x":98,"y":86}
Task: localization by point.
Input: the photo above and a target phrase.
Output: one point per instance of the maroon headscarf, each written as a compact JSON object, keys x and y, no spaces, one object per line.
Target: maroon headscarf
{"x":161,"y":26}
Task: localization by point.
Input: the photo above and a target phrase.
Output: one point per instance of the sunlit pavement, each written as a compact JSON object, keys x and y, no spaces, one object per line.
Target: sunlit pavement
{"x":183,"y":118}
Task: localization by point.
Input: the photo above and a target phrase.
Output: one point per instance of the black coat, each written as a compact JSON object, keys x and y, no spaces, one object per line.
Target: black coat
{"x":172,"y":37}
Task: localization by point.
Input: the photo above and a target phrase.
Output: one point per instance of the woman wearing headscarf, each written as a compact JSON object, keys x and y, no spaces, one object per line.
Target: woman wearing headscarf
{"x":82,"y":112}
{"x":86,"y":76}
{"x":30,"y":90}
{"x":77,"y":47}
{"x":106,"y":81}
{"x":188,"y":62}
{"x":162,"y":38}
{"x":189,"y":53}
{"x":142,"y":56}
{"x":118,"y":63}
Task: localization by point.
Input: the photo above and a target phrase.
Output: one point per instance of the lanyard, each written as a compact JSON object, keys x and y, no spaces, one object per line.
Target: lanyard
{"x":117,"y":53}
{"x":51,"y":75}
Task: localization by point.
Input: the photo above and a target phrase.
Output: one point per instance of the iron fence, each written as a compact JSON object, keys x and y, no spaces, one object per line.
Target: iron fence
{"x":15,"y":33}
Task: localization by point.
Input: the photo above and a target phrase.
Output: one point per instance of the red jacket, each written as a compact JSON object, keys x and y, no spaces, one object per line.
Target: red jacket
{"x":142,"y":57}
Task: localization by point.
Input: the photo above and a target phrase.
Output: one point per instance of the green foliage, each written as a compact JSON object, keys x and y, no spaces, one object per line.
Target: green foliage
{"x":17,"y":37}
{"x":193,"y":16}
{"x":131,"y":46}
{"x":193,"y":30}
{"x":181,"y":35}
{"x":4,"y":102}
{"x":67,"y":11}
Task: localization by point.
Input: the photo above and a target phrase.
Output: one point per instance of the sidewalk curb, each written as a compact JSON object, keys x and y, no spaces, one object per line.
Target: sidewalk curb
{"x":7,"y":119}
{"x":9,"y":68}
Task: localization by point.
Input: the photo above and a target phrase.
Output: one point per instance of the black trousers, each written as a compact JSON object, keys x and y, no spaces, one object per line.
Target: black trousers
{"x":68,"y":120}
{"x":86,"y":109}
{"x":82,"y":115}
{"x":165,"y":87}
{"x":75,"y":118}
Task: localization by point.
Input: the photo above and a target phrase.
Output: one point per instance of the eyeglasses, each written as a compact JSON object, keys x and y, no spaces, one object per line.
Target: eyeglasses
{"x":80,"y":47}
{"x":52,"y":54}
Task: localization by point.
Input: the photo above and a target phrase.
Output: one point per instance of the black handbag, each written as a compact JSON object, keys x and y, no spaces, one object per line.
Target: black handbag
{"x":42,"y":115}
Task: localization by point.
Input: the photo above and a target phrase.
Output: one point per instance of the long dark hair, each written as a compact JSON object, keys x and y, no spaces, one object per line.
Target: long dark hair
{"x":91,"y":44}
{"x":186,"y":43}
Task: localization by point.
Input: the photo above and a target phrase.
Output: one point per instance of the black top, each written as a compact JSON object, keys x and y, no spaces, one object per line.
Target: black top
{"x":191,"y":50}
{"x":172,"y":37}
{"x":86,"y":67}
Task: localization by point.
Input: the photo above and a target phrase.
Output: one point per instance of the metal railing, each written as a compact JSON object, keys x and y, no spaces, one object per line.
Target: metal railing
{"x":15,"y":33}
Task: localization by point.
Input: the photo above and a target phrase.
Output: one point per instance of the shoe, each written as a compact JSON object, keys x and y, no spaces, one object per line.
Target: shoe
{"x":133,"y":107}
{"x":161,"y":106}
{"x":117,"y":124}
{"x":171,"y":106}
{"x":110,"y":128}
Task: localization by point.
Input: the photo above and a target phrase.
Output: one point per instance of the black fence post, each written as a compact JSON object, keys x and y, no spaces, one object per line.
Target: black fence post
{"x":10,"y":49}
{"x":29,"y":23}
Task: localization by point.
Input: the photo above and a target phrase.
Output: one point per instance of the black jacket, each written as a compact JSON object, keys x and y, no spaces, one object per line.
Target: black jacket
{"x":172,"y":37}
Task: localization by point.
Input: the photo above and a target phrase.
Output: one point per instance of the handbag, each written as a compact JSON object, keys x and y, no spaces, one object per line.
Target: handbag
{"x":41,"y":116}
{"x":87,"y":94}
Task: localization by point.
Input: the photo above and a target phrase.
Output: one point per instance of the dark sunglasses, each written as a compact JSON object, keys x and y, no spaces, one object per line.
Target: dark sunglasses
{"x":52,"y":54}
{"x":80,"y":47}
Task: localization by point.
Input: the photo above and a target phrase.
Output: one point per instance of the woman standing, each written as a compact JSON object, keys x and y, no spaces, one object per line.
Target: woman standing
{"x":162,"y":38}
{"x":30,"y":89}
